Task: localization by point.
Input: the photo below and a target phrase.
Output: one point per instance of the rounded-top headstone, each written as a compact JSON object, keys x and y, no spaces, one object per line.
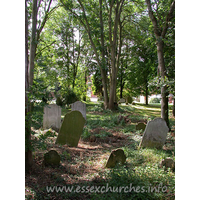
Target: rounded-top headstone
{"x":116,"y":156}
{"x":51,"y":158}
{"x":71,"y":129}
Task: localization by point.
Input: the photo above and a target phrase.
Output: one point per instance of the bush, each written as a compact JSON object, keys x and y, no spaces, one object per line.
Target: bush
{"x":59,"y":101}
{"x":129,"y":99}
{"x":155,"y":100}
{"x":68,"y":96}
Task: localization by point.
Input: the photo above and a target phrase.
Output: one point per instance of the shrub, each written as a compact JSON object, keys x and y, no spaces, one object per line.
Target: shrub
{"x":155,"y":100}
{"x":67,"y":97}
{"x":59,"y":101}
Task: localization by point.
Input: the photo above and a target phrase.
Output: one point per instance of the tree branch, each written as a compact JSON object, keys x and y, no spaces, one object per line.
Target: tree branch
{"x":46,"y":17}
{"x":153,"y":19}
{"x":45,"y":48}
{"x":168,"y":18}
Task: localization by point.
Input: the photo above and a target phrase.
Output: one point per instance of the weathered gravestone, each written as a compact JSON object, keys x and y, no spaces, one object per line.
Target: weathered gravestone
{"x":80,"y":106}
{"x":116,"y":156}
{"x":122,"y":100}
{"x":155,"y":134}
{"x":51,"y":158}
{"x":71,"y":129}
{"x":140,"y":126}
{"x":52,"y":117}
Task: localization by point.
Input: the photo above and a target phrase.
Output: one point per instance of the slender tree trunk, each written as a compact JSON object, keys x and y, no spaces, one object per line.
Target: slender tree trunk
{"x":173,"y":111}
{"x":121,"y":87}
{"x":164,"y":92}
{"x":113,"y":47}
{"x":103,"y":62}
{"x":160,"y":33}
{"x":146,"y":92}
{"x":113,"y":87}
{"x":28,"y":152}
{"x":33,"y":43}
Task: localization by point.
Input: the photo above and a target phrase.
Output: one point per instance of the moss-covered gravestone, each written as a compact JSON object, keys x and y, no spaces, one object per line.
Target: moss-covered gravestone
{"x":51,"y":158}
{"x":71,"y":129}
{"x":155,"y":134}
{"x":116,"y":156}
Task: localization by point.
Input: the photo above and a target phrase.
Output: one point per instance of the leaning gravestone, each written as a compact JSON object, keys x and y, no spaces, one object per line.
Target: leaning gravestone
{"x":155,"y":134}
{"x":116,"y":156}
{"x":52,"y":116}
{"x":80,"y":106}
{"x":140,"y":126}
{"x":71,"y":129}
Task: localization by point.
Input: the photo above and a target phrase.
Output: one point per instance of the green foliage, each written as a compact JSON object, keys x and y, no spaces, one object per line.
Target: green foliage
{"x":67,"y":97}
{"x":59,"y":102}
{"x":155,"y":100}
{"x":97,"y":86}
{"x":86,"y":133}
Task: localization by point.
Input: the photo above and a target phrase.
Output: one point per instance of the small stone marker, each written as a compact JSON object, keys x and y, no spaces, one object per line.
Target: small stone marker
{"x":71,"y":129}
{"x":140,"y":126}
{"x":122,"y":100}
{"x":155,"y":134}
{"x":52,"y":116}
{"x":168,"y":163}
{"x":80,"y":106}
{"x":51,"y":158}
{"x":116,"y":156}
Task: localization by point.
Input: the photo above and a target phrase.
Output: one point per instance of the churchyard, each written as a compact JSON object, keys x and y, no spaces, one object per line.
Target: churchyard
{"x":107,"y":163}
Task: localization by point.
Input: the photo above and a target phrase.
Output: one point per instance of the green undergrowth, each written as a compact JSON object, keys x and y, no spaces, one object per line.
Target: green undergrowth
{"x":141,"y":177}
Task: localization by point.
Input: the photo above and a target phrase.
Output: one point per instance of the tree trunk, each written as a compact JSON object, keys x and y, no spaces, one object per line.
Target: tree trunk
{"x":113,"y":88}
{"x":173,"y":111}
{"x":103,"y":62}
{"x":164,"y":105}
{"x":113,"y":45}
{"x":33,"y":43}
{"x":121,"y":88}
{"x":28,"y":152}
{"x":146,"y":92}
{"x":160,"y":33}
{"x":162,"y":72}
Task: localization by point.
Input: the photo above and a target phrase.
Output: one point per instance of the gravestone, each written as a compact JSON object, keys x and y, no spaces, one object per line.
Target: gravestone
{"x":122,"y":100}
{"x":155,"y":134}
{"x":80,"y":106}
{"x":52,"y":117}
{"x":116,"y":156}
{"x":71,"y":129}
{"x":140,"y":126}
{"x":51,"y":158}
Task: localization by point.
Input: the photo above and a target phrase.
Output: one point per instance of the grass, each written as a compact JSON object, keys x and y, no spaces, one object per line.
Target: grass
{"x":84,"y":166}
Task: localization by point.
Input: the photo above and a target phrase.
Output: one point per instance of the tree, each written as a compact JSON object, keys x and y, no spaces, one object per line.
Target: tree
{"x":160,"y":23}
{"x":94,"y":16}
{"x":29,"y":65}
